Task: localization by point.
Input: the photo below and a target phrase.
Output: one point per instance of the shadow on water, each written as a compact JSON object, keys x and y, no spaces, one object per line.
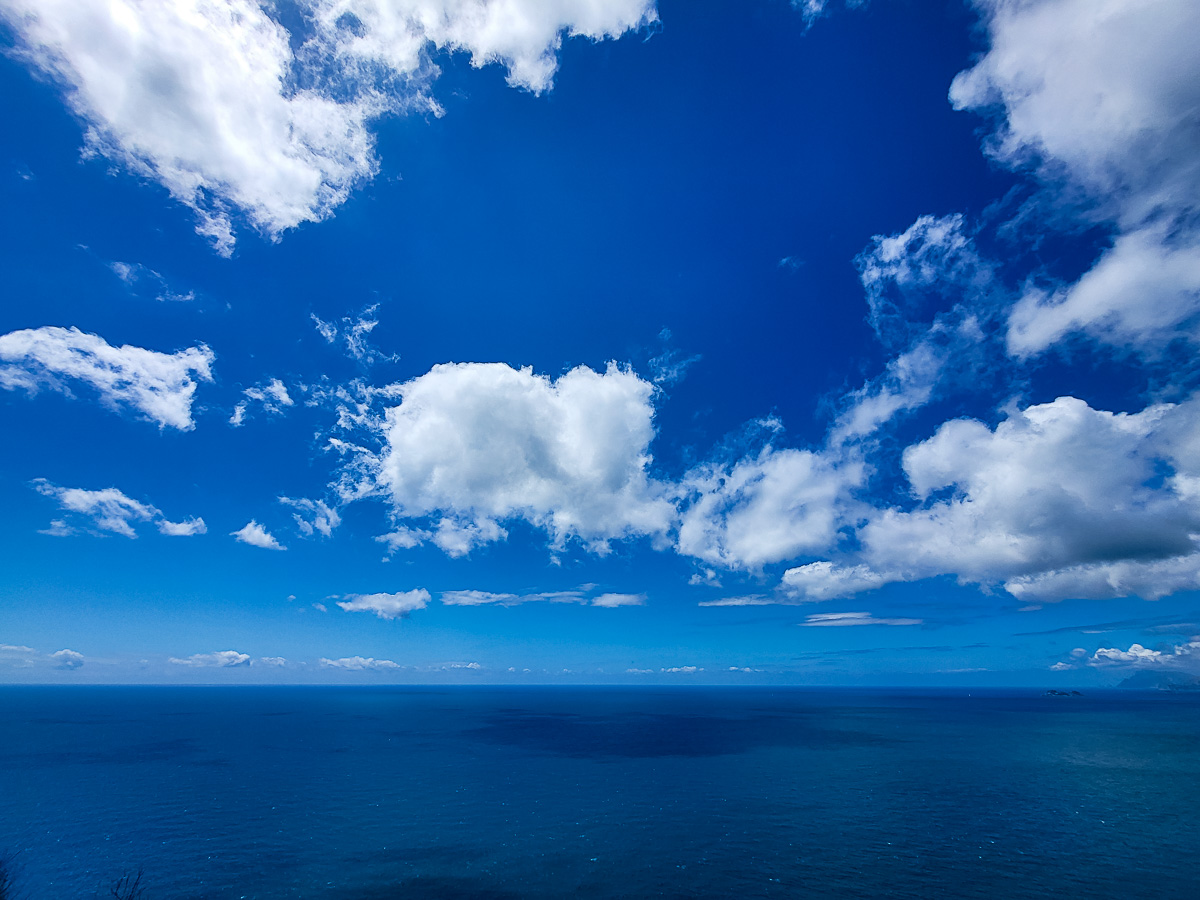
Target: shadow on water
{"x":437,"y":887}
{"x":646,"y":735}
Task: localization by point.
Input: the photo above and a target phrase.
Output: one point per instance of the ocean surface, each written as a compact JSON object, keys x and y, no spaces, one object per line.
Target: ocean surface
{"x":387,"y":792}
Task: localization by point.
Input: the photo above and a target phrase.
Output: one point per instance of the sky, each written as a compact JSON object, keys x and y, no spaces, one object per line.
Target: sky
{"x":600,"y":341}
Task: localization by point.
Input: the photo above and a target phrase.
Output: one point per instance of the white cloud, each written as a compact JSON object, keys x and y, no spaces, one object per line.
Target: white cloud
{"x":763,"y":509}
{"x":611,"y":601}
{"x":359,"y":663}
{"x":823,"y":580}
{"x":1100,"y":98}
{"x":221,"y":659}
{"x":683,"y":670}
{"x":277,"y":662}
{"x":17,"y":656}
{"x":387,"y":606}
{"x":746,"y":600}
{"x":208,"y":98}
{"x":186,"y":528}
{"x":133,"y":274}
{"x":581,"y":595}
{"x":159,"y":385}
{"x":313,"y":516}
{"x":67,"y":659}
{"x":639,"y":671}
{"x":475,"y":444}
{"x":840,"y":620}
{"x":111,"y":510}
{"x":273,"y":397}
{"x":355,"y":333}
{"x":1059,"y":500}
{"x":256,"y":536}
{"x":1184,"y":657}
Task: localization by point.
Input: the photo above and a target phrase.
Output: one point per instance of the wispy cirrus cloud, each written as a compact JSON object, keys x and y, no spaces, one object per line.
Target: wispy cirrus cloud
{"x":110,"y":510}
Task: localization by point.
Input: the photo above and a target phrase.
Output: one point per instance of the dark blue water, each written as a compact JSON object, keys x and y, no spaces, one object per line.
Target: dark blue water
{"x":594,"y":792}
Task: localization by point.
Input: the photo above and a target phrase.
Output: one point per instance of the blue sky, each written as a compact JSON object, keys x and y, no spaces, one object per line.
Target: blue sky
{"x":618,"y":341}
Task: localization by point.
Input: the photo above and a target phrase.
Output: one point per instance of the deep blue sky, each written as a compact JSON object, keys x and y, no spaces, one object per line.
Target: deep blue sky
{"x":710,"y":198}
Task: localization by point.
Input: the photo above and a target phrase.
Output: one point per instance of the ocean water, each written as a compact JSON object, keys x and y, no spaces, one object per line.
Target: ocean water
{"x":388,"y":792}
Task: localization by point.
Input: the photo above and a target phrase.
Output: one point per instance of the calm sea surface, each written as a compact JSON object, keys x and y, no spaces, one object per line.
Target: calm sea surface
{"x":599,"y":792}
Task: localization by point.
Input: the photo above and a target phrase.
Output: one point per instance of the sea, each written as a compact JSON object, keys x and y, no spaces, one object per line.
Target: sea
{"x":598,"y":792}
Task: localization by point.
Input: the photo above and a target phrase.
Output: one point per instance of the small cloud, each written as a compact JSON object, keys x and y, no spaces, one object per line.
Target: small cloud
{"x":683,"y":670}
{"x":272,"y":397}
{"x":613,"y":600}
{"x":791,"y":263}
{"x":320,"y":607}
{"x":670,"y":366}
{"x":354,"y":333}
{"x":387,"y":606}
{"x":639,"y":671}
{"x":403,"y":539}
{"x":256,"y":536}
{"x":16,"y":655}
{"x":133,"y":275}
{"x":221,"y":659}
{"x":313,"y":516}
{"x":749,"y":600}
{"x":837,"y":620}
{"x":359,"y":663}
{"x":186,"y":528}
{"x":67,"y":659}
{"x":274,"y":661}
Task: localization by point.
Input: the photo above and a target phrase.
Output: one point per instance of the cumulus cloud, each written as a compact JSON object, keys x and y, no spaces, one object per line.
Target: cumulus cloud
{"x":277,"y":662}
{"x":256,"y":536}
{"x":209,"y":98}
{"x":682,"y":670}
{"x":841,"y":620}
{"x":387,"y":606}
{"x":763,"y":509}
{"x":1057,"y":500}
{"x":1099,"y":98}
{"x":67,"y":659}
{"x":359,"y":663}
{"x":221,"y":659}
{"x":111,"y":510}
{"x":158,"y":385}
{"x":272,"y":397}
{"x":474,"y":445}
{"x":1177,"y":657}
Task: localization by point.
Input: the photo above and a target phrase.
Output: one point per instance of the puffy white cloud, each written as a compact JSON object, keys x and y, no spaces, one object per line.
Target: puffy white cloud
{"x":387,"y":606}
{"x":823,"y":580}
{"x":256,"y":536}
{"x":159,"y":385}
{"x":277,"y":662}
{"x":680,"y":670}
{"x":359,"y":663}
{"x":763,"y":509}
{"x":474,"y":445}
{"x":208,"y":98}
{"x":1176,"y":657}
{"x":221,"y":659}
{"x":840,"y":620}
{"x":313,"y":516}
{"x":67,"y":659}
{"x":1059,"y":500}
{"x":273,"y":397}
{"x":111,"y":510}
{"x":1100,"y":98}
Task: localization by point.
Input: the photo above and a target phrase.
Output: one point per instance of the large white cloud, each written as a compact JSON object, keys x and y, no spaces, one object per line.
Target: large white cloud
{"x":220,"y":659}
{"x":474,"y":445}
{"x":208,"y":98}
{"x":159,"y":385}
{"x":111,"y":510}
{"x":1058,"y":500}
{"x":1101,"y":98}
